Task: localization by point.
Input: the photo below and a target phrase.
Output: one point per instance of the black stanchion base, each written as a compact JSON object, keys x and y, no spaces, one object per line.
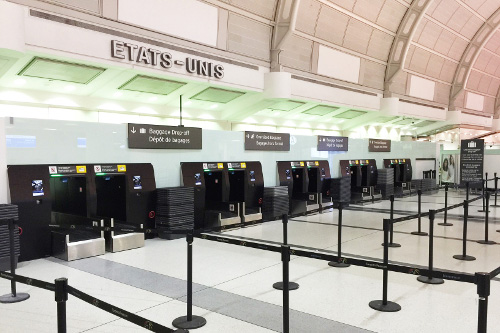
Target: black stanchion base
{"x":482,"y":211}
{"x":489,"y":242}
{"x":291,"y":286}
{"x":445,"y":224}
{"x":494,"y":205}
{"x":419,"y":233}
{"x":392,"y":245}
{"x":183,"y":323}
{"x":433,"y":280}
{"x":9,"y":298}
{"x":462,"y":257}
{"x":389,"y":307}
{"x":338,"y":264}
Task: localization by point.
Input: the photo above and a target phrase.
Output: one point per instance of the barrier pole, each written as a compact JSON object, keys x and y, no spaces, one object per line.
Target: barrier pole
{"x":464,"y":255}
{"x":14,"y":296}
{"x":384,"y":305}
{"x":419,"y":232}
{"x":340,"y":263}
{"x":291,"y":285}
{"x":486,"y":241}
{"x":483,"y":291}
{"x":445,"y":220}
{"x":483,"y":192}
{"x":496,"y":190}
{"x":285,"y":258}
{"x":429,"y":279}
{"x":391,"y":233}
{"x":61,"y":296}
{"x":189,"y":321}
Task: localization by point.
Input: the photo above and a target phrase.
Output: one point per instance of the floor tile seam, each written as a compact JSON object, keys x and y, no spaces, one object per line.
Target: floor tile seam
{"x":395,"y":231}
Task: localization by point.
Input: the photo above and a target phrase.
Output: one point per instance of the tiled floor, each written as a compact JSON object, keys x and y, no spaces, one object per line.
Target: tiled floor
{"x":233,"y":285}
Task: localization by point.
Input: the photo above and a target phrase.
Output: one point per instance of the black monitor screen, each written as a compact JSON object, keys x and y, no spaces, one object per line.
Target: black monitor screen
{"x":287,"y":172}
{"x":197,"y":179}
{"x":252,"y":176}
{"x":37,"y":187}
{"x":137,"y":182}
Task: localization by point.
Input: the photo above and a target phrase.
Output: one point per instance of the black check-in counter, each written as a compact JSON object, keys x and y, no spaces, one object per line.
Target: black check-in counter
{"x":304,"y":182}
{"x":402,"y":174}
{"x":225,"y":192}
{"x":73,"y":195}
{"x":54,"y":194}
{"x":124,"y":196}
{"x":364,"y":176}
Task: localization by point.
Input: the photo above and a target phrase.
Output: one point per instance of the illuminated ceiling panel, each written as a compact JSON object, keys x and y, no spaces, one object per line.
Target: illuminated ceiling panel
{"x":151,"y":85}
{"x":60,"y":71}
{"x":217,"y":95}
{"x":320,"y":110}
{"x":351,"y":114}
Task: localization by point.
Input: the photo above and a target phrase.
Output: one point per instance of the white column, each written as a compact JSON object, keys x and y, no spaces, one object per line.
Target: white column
{"x":3,"y":163}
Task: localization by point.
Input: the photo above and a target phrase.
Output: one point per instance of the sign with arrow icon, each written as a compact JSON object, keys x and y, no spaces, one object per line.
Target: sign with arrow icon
{"x":143,"y":136}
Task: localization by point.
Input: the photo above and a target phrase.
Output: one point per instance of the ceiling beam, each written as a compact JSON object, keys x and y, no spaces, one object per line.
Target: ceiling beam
{"x":470,"y":55}
{"x":286,"y":19}
{"x":402,"y":41}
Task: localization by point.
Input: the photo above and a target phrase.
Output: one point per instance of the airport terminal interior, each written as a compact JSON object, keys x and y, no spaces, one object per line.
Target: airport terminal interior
{"x":249,"y":166}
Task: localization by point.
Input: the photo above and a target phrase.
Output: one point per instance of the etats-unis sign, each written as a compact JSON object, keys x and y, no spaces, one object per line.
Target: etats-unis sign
{"x":156,"y":58}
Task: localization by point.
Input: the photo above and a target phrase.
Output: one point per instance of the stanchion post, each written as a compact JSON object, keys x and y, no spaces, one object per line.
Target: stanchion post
{"x":189,"y":321}
{"x":384,"y":305}
{"x":340,"y":263}
{"x":291,"y":285}
{"x":14,"y":296}
{"x":486,"y":241}
{"x":483,"y":181}
{"x":496,"y":190}
{"x":483,"y":291}
{"x":285,"y":258}
{"x":61,"y":296}
{"x":464,"y":255}
{"x":445,"y":219}
{"x":419,"y":232}
{"x":391,"y":233}
{"x":429,"y":279}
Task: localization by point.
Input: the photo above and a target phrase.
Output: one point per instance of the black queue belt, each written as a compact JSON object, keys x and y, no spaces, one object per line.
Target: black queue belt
{"x":412,"y":270}
{"x":128,"y":316}
{"x":62,"y":289}
{"x":27,"y":280}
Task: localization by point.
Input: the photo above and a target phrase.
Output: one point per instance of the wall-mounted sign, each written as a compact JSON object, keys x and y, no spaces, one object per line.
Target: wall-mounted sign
{"x":379,"y":145}
{"x":236,"y":165}
{"x":148,"y":56}
{"x":163,"y":137}
{"x":332,"y":143}
{"x":471,"y":162}
{"x":67,"y":169}
{"x":267,"y":141}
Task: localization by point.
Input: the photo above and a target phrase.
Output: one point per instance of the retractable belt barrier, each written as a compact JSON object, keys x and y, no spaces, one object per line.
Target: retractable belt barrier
{"x":126,"y":315}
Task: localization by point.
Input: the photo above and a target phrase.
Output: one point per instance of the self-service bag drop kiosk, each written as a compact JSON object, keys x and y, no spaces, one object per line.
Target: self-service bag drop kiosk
{"x":246,"y":186}
{"x":54,"y":194}
{"x":402,"y":174}
{"x":295,"y":175}
{"x":124,"y":197}
{"x":211,"y":196}
{"x":319,"y":182}
{"x":364,"y":176}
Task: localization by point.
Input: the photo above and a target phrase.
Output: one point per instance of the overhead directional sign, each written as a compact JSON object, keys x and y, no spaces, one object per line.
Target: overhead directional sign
{"x":332,"y":143}
{"x":164,"y":137}
{"x":379,"y":145}
{"x":267,"y":141}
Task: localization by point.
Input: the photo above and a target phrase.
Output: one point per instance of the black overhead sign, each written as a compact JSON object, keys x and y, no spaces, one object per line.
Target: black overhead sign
{"x":471,"y":161}
{"x":379,"y":145}
{"x":332,"y":143}
{"x":267,"y":141}
{"x":163,"y":137}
